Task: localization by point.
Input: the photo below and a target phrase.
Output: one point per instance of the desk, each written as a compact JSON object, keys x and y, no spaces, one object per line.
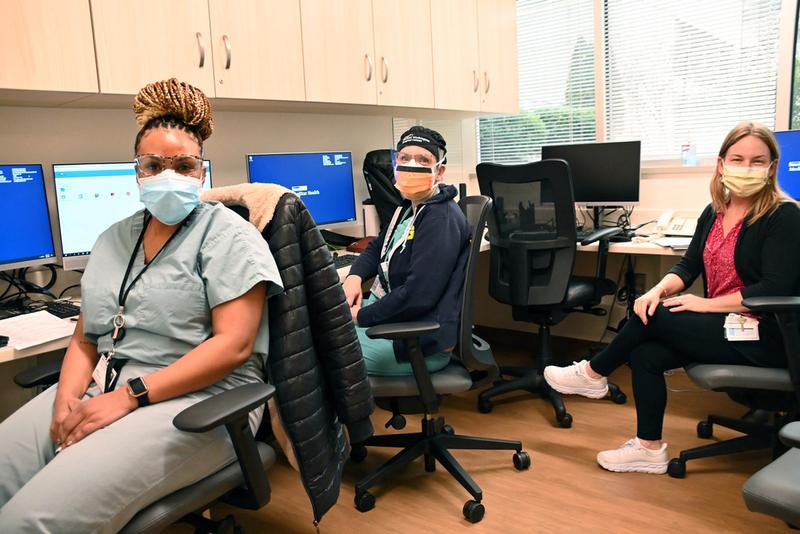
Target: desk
{"x":8,"y":354}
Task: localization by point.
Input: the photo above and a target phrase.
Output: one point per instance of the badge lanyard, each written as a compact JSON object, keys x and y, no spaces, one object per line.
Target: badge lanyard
{"x":118,"y":321}
{"x":401,"y":244}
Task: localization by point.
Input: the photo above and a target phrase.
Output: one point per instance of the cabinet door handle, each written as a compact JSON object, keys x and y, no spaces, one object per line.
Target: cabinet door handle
{"x":202,"y":48}
{"x":486,"y":83}
{"x":226,"y":40}
{"x":367,"y":67}
{"x":475,"y":81}
{"x":384,"y":70}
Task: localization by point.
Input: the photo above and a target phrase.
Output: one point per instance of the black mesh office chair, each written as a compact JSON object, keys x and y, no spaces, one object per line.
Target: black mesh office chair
{"x":472,"y":366}
{"x":772,"y":395}
{"x":533,"y":240}
{"x":379,"y":175}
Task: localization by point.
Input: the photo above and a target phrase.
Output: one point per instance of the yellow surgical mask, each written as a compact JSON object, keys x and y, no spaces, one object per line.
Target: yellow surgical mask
{"x":744,"y":181}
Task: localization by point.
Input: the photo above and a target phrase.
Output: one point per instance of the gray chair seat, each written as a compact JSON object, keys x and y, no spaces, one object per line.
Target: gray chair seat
{"x":452,"y":379}
{"x":170,"y":509}
{"x":719,"y":377}
{"x":775,"y":489}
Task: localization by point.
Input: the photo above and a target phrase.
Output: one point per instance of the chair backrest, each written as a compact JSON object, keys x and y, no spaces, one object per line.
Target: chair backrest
{"x":379,"y":175}
{"x":531,"y":231}
{"x":474,"y":354}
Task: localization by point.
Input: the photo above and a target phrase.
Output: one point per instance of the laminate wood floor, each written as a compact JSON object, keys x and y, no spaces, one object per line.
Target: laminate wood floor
{"x":564,"y":491}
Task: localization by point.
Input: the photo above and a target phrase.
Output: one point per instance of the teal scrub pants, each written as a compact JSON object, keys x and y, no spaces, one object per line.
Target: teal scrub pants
{"x":99,"y":483}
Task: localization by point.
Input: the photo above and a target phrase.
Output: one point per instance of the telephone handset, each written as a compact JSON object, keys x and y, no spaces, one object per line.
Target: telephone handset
{"x":668,"y":224}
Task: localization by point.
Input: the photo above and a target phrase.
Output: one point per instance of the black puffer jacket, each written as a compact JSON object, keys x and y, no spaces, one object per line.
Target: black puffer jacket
{"x":315,"y":360}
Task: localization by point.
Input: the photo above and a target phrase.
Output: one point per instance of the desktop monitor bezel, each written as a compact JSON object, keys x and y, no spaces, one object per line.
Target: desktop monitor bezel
{"x":609,"y":203}
{"x":76,"y":262}
{"x":34,"y":262}
{"x":328,"y":225}
{"x":777,"y":176}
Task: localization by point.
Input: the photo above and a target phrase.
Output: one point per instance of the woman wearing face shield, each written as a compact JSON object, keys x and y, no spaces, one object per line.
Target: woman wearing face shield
{"x":418,"y":261}
{"x":172,"y":302}
{"x":747,"y":244}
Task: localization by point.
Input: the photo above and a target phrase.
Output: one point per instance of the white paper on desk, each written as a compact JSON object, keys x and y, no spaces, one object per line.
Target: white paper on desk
{"x":31,"y":329}
{"x":675,"y":243}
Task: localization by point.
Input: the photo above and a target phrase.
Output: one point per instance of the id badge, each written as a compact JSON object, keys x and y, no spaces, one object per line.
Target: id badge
{"x":100,"y":372}
{"x":741,"y":328}
{"x":377,"y":289}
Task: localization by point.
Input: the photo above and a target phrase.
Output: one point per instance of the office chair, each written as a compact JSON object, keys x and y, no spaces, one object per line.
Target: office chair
{"x":472,"y":366}
{"x":771,"y":395}
{"x":533,"y":240}
{"x":775,"y":489}
{"x":379,"y":175}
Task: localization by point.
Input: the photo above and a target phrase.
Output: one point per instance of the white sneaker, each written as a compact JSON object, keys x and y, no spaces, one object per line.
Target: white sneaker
{"x":634,"y":457}
{"x":573,"y":380}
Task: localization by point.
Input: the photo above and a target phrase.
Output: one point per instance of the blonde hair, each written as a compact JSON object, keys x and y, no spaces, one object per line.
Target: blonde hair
{"x":173,"y":104}
{"x":771,"y":195}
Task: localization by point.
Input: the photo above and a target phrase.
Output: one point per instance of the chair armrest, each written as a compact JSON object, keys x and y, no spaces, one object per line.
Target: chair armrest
{"x":223,"y":408}
{"x":407,"y":330}
{"x":790,"y":434}
{"x":772,"y":304}
{"x":39,"y":375}
{"x":603,"y":233}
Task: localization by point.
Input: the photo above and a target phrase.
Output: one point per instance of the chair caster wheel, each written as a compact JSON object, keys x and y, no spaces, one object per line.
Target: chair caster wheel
{"x":619,"y":398}
{"x":473,"y":511}
{"x":676,"y":468}
{"x":705,"y":429}
{"x":484,"y":406}
{"x":448,"y":429}
{"x":522,"y":460}
{"x":226,"y":526}
{"x":358,"y":453}
{"x":565,"y":421}
{"x":365,"y":502}
{"x":398,"y":422}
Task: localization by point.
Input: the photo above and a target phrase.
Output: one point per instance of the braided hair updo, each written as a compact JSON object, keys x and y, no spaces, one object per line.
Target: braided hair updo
{"x":173,"y":104}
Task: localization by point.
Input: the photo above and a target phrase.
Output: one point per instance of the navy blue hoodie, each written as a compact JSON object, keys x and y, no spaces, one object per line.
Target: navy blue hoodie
{"x":426,"y":277}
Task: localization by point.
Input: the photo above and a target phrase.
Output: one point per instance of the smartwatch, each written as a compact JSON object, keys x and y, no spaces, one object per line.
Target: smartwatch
{"x":138,"y":390}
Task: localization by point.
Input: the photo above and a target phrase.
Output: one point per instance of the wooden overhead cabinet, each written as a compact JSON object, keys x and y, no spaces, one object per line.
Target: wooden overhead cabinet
{"x":142,"y":41}
{"x":497,"y":40}
{"x":456,"y":70}
{"x":403,"y":52}
{"x":46,"y":45}
{"x":258,"y":49}
{"x":338,"y":51}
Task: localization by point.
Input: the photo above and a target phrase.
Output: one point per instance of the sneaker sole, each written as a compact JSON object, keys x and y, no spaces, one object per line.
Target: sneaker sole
{"x":635,"y":467}
{"x":585,"y":392}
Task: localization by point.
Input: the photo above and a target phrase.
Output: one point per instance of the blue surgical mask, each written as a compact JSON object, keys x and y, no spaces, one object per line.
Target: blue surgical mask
{"x":169,"y":196}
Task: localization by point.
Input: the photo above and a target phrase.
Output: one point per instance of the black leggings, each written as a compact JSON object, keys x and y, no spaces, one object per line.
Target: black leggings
{"x":671,"y":340}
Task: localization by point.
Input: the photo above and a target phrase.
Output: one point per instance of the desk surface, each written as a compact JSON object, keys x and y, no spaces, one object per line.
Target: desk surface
{"x":8,"y":354}
{"x":619,"y":248}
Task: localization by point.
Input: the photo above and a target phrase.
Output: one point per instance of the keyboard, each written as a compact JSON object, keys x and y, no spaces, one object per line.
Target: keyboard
{"x":344,"y":260}
{"x":59,"y":308}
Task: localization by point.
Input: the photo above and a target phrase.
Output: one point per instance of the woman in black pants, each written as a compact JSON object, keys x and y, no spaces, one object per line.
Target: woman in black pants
{"x":747,"y":244}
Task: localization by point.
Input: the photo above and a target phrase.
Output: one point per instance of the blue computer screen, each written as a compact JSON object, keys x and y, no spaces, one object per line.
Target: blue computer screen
{"x":25,"y":220}
{"x":323,"y":180}
{"x":93,"y":196}
{"x":789,"y":164}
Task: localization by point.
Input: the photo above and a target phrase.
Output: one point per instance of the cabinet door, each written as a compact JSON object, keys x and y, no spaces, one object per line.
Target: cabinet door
{"x":454,"y":27}
{"x":338,"y":51}
{"x":47,"y":45}
{"x":258,"y":50}
{"x":403,"y":52}
{"x":497,"y":38}
{"x":142,"y":41}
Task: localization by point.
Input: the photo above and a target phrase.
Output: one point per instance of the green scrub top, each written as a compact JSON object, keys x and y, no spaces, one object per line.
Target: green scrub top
{"x":215,"y":257}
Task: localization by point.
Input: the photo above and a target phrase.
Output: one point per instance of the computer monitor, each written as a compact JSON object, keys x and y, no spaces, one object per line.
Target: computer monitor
{"x":26,"y":239}
{"x":90,"y":197}
{"x":323,"y":180}
{"x":603,"y":174}
{"x":789,"y":164}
